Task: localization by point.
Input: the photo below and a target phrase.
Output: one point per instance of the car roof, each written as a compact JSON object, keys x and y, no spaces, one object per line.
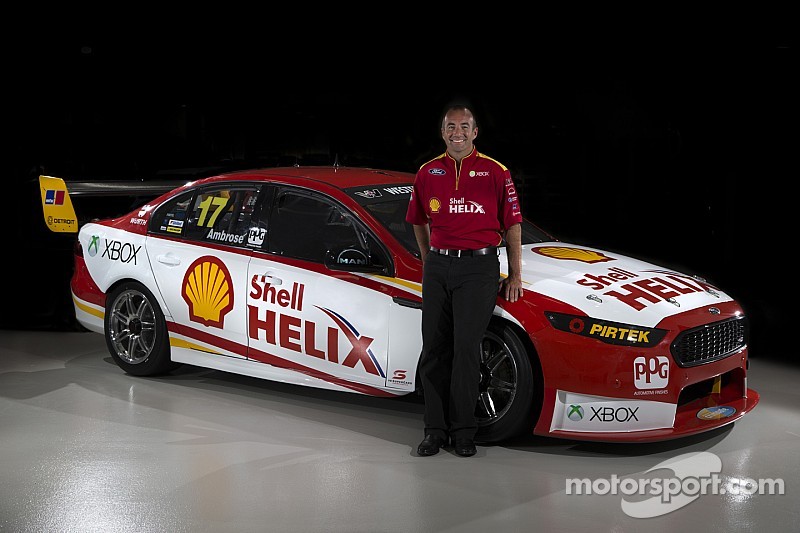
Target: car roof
{"x":334,"y":176}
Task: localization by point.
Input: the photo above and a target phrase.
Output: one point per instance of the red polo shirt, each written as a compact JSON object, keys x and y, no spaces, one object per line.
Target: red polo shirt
{"x":468,"y":207}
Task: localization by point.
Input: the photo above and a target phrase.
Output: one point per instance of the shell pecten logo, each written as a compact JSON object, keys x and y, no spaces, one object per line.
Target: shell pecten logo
{"x":435,"y":205}
{"x":575,"y":254}
{"x":208,"y":291}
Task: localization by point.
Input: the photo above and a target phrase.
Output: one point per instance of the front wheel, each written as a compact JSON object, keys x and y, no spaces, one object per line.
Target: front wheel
{"x":136,"y":332}
{"x":508,"y":388}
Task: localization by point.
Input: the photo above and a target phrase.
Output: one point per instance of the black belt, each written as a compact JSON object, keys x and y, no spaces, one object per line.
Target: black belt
{"x":465,"y":253}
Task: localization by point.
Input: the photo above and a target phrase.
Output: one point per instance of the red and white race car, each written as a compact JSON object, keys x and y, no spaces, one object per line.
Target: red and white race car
{"x":311,"y":276}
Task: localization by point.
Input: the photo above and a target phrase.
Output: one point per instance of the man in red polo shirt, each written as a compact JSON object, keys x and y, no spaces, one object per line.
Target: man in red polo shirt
{"x":462,"y":206}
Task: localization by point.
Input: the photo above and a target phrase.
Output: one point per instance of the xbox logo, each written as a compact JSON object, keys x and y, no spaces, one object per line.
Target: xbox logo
{"x":94,"y":245}
{"x":575,"y":413}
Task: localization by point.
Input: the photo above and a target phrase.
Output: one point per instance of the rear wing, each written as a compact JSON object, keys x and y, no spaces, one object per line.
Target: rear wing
{"x":57,"y":207}
{"x":59,"y":215}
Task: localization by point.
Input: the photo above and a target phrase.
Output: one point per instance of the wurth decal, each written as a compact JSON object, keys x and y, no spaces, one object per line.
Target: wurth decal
{"x":402,"y":189}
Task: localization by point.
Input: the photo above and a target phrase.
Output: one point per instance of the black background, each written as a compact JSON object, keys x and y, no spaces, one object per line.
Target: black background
{"x":673,"y":148}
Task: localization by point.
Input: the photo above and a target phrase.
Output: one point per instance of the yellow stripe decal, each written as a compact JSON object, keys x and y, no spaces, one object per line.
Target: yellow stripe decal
{"x":410,"y":284}
{"x":180,"y":343}
{"x":89,"y":310}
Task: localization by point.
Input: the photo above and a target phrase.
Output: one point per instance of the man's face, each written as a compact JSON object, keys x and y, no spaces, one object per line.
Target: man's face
{"x":458,"y":132}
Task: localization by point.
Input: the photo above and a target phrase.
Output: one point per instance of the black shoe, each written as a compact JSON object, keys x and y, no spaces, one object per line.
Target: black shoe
{"x":464,"y":447}
{"x":430,"y":445}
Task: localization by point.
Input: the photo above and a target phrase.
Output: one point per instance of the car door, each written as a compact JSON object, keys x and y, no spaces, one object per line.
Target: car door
{"x":198,"y":248}
{"x":329,"y":324}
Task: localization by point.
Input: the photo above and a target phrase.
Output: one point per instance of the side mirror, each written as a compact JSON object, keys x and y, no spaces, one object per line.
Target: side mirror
{"x":351,"y":259}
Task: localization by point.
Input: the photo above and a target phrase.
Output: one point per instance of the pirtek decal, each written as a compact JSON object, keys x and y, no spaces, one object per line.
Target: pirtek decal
{"x":624,"y":334}
{"x":617,"y":333}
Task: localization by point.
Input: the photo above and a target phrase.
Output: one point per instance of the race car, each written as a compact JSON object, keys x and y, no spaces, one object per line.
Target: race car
{"x":311,"y":276}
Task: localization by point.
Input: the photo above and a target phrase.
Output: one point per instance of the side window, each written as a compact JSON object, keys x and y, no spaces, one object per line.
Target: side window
{"x":171,"y":217}
{"x":222,"y":215}
{"x":307,"y":227}
{"x":219,"y":215}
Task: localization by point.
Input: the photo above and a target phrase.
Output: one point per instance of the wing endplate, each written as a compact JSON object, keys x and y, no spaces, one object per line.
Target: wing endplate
{"x":59,"y":215}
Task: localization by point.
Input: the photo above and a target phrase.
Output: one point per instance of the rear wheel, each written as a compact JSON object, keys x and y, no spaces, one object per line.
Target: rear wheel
{"x":136,"y":332}
{"x":508,"y":388}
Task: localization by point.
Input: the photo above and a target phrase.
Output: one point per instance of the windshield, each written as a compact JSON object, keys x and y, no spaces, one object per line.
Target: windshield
{"x":391,"y":213}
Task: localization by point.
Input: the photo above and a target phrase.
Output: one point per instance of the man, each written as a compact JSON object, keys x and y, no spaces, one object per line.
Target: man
{"x":462,"y":205}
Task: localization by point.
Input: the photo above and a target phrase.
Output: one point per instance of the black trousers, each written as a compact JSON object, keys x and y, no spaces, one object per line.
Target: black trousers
{"x":458,"y":296}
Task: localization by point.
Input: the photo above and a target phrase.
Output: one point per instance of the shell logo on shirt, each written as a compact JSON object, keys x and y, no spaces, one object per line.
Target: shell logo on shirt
{"x":434,"y":204}
{"x":207,"y":289}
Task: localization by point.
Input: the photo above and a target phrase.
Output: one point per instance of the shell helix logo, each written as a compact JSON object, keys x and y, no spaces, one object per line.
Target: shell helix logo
{"x":434,"y":204}
{"x":574,"y":254}
{"x":208,"y":291}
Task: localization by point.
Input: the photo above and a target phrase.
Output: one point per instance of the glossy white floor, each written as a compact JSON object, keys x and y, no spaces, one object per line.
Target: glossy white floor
{"x":85,"y":447}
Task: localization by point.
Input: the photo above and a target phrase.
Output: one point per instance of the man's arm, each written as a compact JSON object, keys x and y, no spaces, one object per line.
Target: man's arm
{"x":423,"y":235}
{"x":513,"y":283}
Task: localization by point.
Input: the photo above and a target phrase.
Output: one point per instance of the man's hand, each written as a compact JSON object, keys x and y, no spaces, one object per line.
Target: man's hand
{"x":512,"y":288}
{"x":423,"y":235}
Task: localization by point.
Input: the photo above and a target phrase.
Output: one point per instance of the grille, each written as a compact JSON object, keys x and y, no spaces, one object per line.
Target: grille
{"x":710,"y":342}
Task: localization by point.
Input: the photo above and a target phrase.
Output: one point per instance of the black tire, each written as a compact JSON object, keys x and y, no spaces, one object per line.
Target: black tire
{"x":136,"y":332}
{"x":509,"y":389}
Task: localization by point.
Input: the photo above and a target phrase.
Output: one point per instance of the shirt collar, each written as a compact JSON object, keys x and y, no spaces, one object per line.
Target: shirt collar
{"x":472,"y":155}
